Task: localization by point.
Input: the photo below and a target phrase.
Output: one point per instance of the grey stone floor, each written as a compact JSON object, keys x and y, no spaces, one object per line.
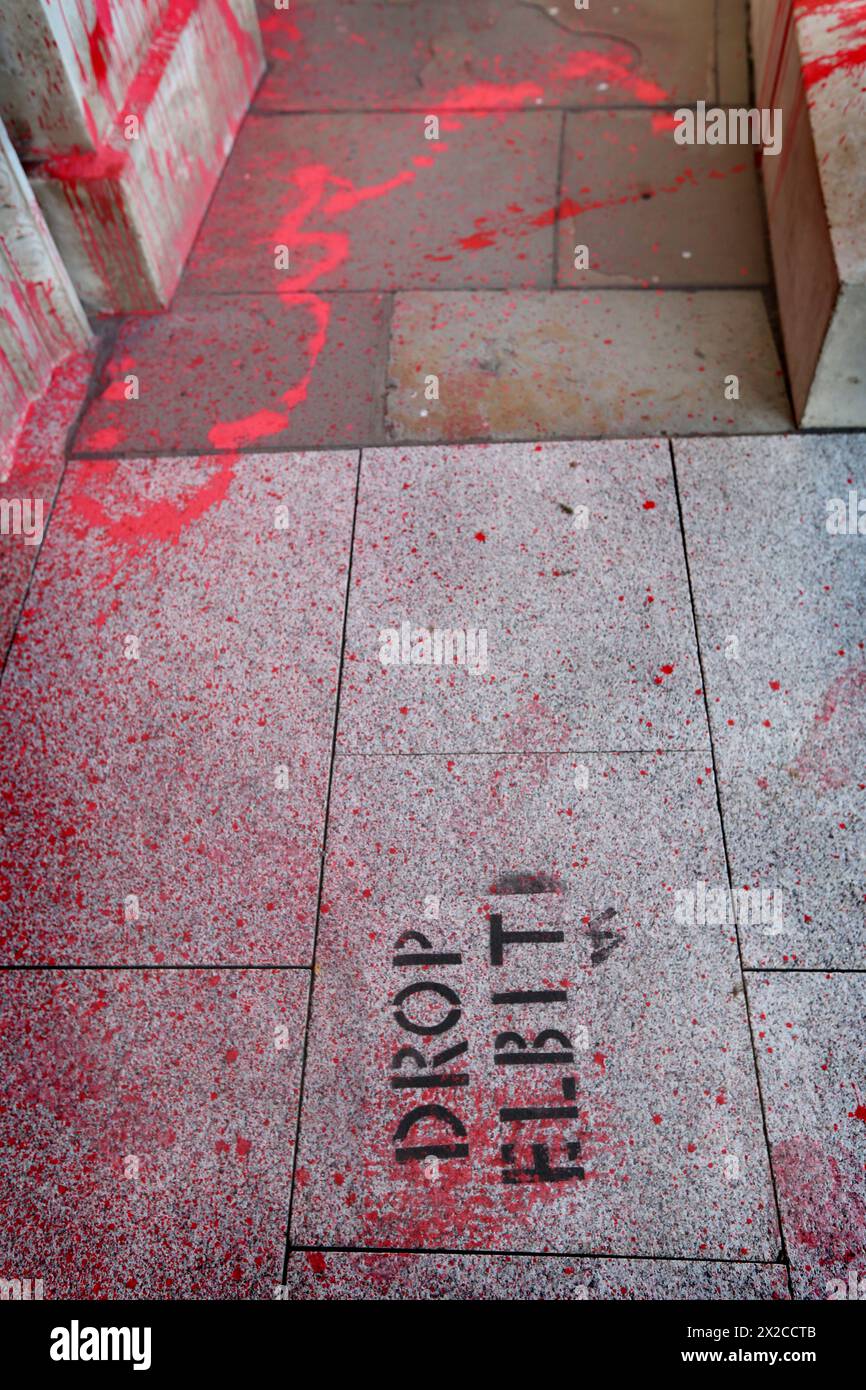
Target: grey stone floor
{"x":449,"y":852}
{"x":537,"y":769}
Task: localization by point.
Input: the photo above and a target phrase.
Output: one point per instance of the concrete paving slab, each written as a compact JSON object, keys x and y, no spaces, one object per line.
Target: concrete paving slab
{"x":586,"y":1090}
{"x":605,"y":362}
{"x":168,"y":710}
{"x":780,"y":602}
{"x":372,"y":202}
{"x":29,"y":487}
{"x":809,"y":1035}
{"x":554,"y":576}
{"x":147,"y":1132}
{"x":320,"y":1275}
{"x":241,"y":371}
{"x":651,"y":212}
{"x":452,"y":54}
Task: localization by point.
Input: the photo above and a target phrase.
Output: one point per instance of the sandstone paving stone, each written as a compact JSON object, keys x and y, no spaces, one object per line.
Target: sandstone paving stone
{"x":780,"y":602}
{"x":650,"y":211}
{"x":147,"y":1129}
{"x":329,"y":56}
{"x":167,"y":713}
{"x":349,"y":1275}
{"x":560,"y":567}
{"x":603,"y":362}
{"x":458,"y":54}
{"x":587,"y":1090}
{"x":809,"y":1037}
{"x":370,"y":202}
{"x":242,"y":371}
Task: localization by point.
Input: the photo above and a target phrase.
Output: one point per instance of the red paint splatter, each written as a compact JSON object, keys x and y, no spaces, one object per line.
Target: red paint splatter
{"x":584,"y":65}
{"x":313,"y":182}
{"x":824,"y":1200}
{"x":478,"y":241}
{"x":161,"y":521}
{"x":851,"y":53}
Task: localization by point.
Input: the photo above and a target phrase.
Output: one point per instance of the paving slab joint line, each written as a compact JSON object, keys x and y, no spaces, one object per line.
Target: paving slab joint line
{"x":197,"y":293}
{"x":325,"y":822}
{"x":155,"y":452}
{"x":804,"y":970}
{"x":408,"y":1251}
{"x":589,"y":108}
{"x":527,"y":753}
{"x":785,"y":1258}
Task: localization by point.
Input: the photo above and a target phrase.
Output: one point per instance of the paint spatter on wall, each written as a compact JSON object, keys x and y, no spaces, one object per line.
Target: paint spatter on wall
{"x":847,"y":53}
